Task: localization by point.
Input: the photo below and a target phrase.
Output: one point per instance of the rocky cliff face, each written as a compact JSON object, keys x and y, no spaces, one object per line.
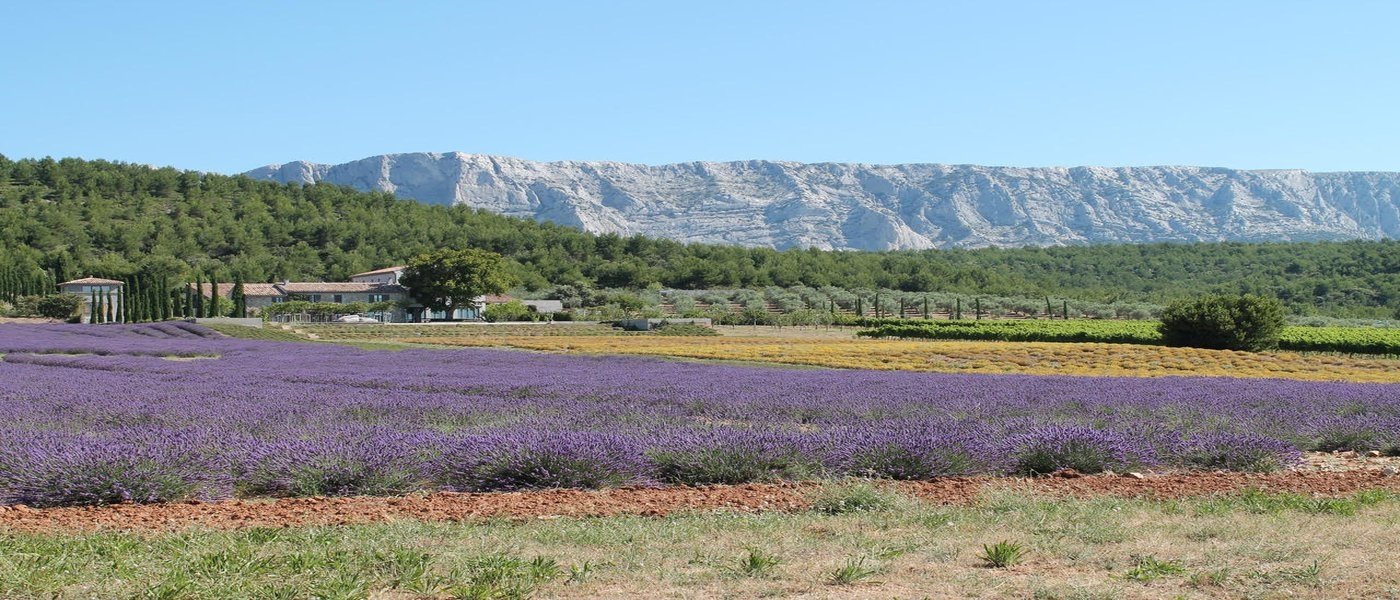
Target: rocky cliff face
{"x":886,"y":207}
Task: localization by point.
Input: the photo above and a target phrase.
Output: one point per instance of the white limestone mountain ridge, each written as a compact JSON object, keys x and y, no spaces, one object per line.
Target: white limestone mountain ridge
{"x":887,"y":207}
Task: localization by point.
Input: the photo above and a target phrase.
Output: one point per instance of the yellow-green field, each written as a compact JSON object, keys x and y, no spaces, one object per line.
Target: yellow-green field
{"x":816,"y":348}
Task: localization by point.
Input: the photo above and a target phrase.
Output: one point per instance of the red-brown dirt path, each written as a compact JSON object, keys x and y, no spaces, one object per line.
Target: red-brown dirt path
{"x":788,"y":497}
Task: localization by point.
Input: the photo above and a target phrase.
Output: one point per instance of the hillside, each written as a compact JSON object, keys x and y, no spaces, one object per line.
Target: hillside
{"x":73,"y":217}
{"x":888,"y":207}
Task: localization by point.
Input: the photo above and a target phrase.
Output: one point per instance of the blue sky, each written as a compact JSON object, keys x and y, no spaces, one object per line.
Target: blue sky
{"x":232,"y":86}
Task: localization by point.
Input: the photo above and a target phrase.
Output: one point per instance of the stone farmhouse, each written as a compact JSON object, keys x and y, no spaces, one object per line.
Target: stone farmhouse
{"x":109,"y":290}
{"x":380,"y":285}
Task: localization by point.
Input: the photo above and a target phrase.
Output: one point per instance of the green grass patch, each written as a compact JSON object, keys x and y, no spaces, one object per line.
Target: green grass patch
{"x":271,"y":334}
{"x":1256,"y":545}
{"x":1334,"y":339}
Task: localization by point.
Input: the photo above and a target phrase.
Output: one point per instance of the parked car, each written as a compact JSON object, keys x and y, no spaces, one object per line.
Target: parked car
{"x":357,"y":319}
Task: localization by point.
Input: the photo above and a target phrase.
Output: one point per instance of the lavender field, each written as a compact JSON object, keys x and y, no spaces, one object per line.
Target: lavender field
{"x":151,"y":413}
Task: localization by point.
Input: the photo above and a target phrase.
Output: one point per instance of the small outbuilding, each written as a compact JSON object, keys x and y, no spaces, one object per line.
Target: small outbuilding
{"x":107,"y":291}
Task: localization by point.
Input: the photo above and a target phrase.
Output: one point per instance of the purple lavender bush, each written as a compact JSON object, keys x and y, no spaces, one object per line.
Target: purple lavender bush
{"x":348,"y":461}
{"x":1052,"y":448}
{"x":1232,"y":451}
{"x":530,"y":460}
{"x":907,"y":451}
{"x":730,"y":456}
{"x":45,"y":468}
{"x":1362,"y":432}
{"x":99,"y":415}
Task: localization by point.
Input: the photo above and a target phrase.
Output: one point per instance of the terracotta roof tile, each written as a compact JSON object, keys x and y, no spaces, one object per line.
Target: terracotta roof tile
{"x":380,"y":271}
{"x":251,"y":290}
{"x":341,"y":287}
{"x":92,"y":281}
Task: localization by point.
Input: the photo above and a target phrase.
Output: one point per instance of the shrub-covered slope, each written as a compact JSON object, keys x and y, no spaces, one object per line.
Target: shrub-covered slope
{"x":73,"y":217}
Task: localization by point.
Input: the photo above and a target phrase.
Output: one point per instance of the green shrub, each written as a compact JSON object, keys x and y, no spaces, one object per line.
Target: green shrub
{"x":58,"y":306}
{"x":1003,"y":554}
{"x":756,"y":563}
{"x":1148,"y":568}
{"x":854,"y":570}
{"x":737,"y":464}
{"x":1245,"y":322}
{"x":683,"y":329}
{"x":514,"y":310}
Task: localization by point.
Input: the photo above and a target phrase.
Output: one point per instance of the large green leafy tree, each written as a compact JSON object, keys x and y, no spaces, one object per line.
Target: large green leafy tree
{"x":1245,"y":322}
{"x":446,"y":278}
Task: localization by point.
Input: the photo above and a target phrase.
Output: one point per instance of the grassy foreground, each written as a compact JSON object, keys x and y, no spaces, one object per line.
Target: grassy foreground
{"x":860,"y":541}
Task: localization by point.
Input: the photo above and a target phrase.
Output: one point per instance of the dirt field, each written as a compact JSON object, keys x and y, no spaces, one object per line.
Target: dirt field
{"x":1324,"y":476}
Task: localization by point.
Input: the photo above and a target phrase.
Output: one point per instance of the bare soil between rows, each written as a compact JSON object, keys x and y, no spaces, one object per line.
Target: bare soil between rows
{"x":780,"y":497}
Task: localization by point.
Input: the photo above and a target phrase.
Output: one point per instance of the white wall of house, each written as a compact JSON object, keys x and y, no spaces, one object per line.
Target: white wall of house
{"x":392,"y":277}
{"x":348,"y":297}
{"x":110,"y":295}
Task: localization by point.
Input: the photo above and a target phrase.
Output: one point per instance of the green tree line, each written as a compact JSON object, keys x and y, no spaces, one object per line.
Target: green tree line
{"x":61,"y":219}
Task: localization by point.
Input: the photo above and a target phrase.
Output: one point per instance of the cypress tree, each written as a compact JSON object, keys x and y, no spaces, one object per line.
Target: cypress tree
{"x":957,"y":312}
{"x":143,"y":297}
{"x":133,"y":299}
{"x":213,"y":296}
{"x":167,"y":306}
{"x":138,"y":297}
{"x":240,"y":303}
{"x":92,"y":307}
{"x":1066,"y":310}
{"x":925,"y":307}
{"x":198,"y":295}
{"x":189,"y":301}
{"x":148,"y":308}
{"x":158,"y":298}
{"x":153,"y":299}
{"x":978,"y":310}
{"x":149,"y":300}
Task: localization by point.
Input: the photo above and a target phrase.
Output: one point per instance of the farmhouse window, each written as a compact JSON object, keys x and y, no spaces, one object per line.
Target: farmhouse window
{"x":337,"y":298}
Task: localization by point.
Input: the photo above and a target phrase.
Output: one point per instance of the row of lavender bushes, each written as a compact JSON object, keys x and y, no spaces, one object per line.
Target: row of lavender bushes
{"x":156,"y":465}
{"x":93,"y":415}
